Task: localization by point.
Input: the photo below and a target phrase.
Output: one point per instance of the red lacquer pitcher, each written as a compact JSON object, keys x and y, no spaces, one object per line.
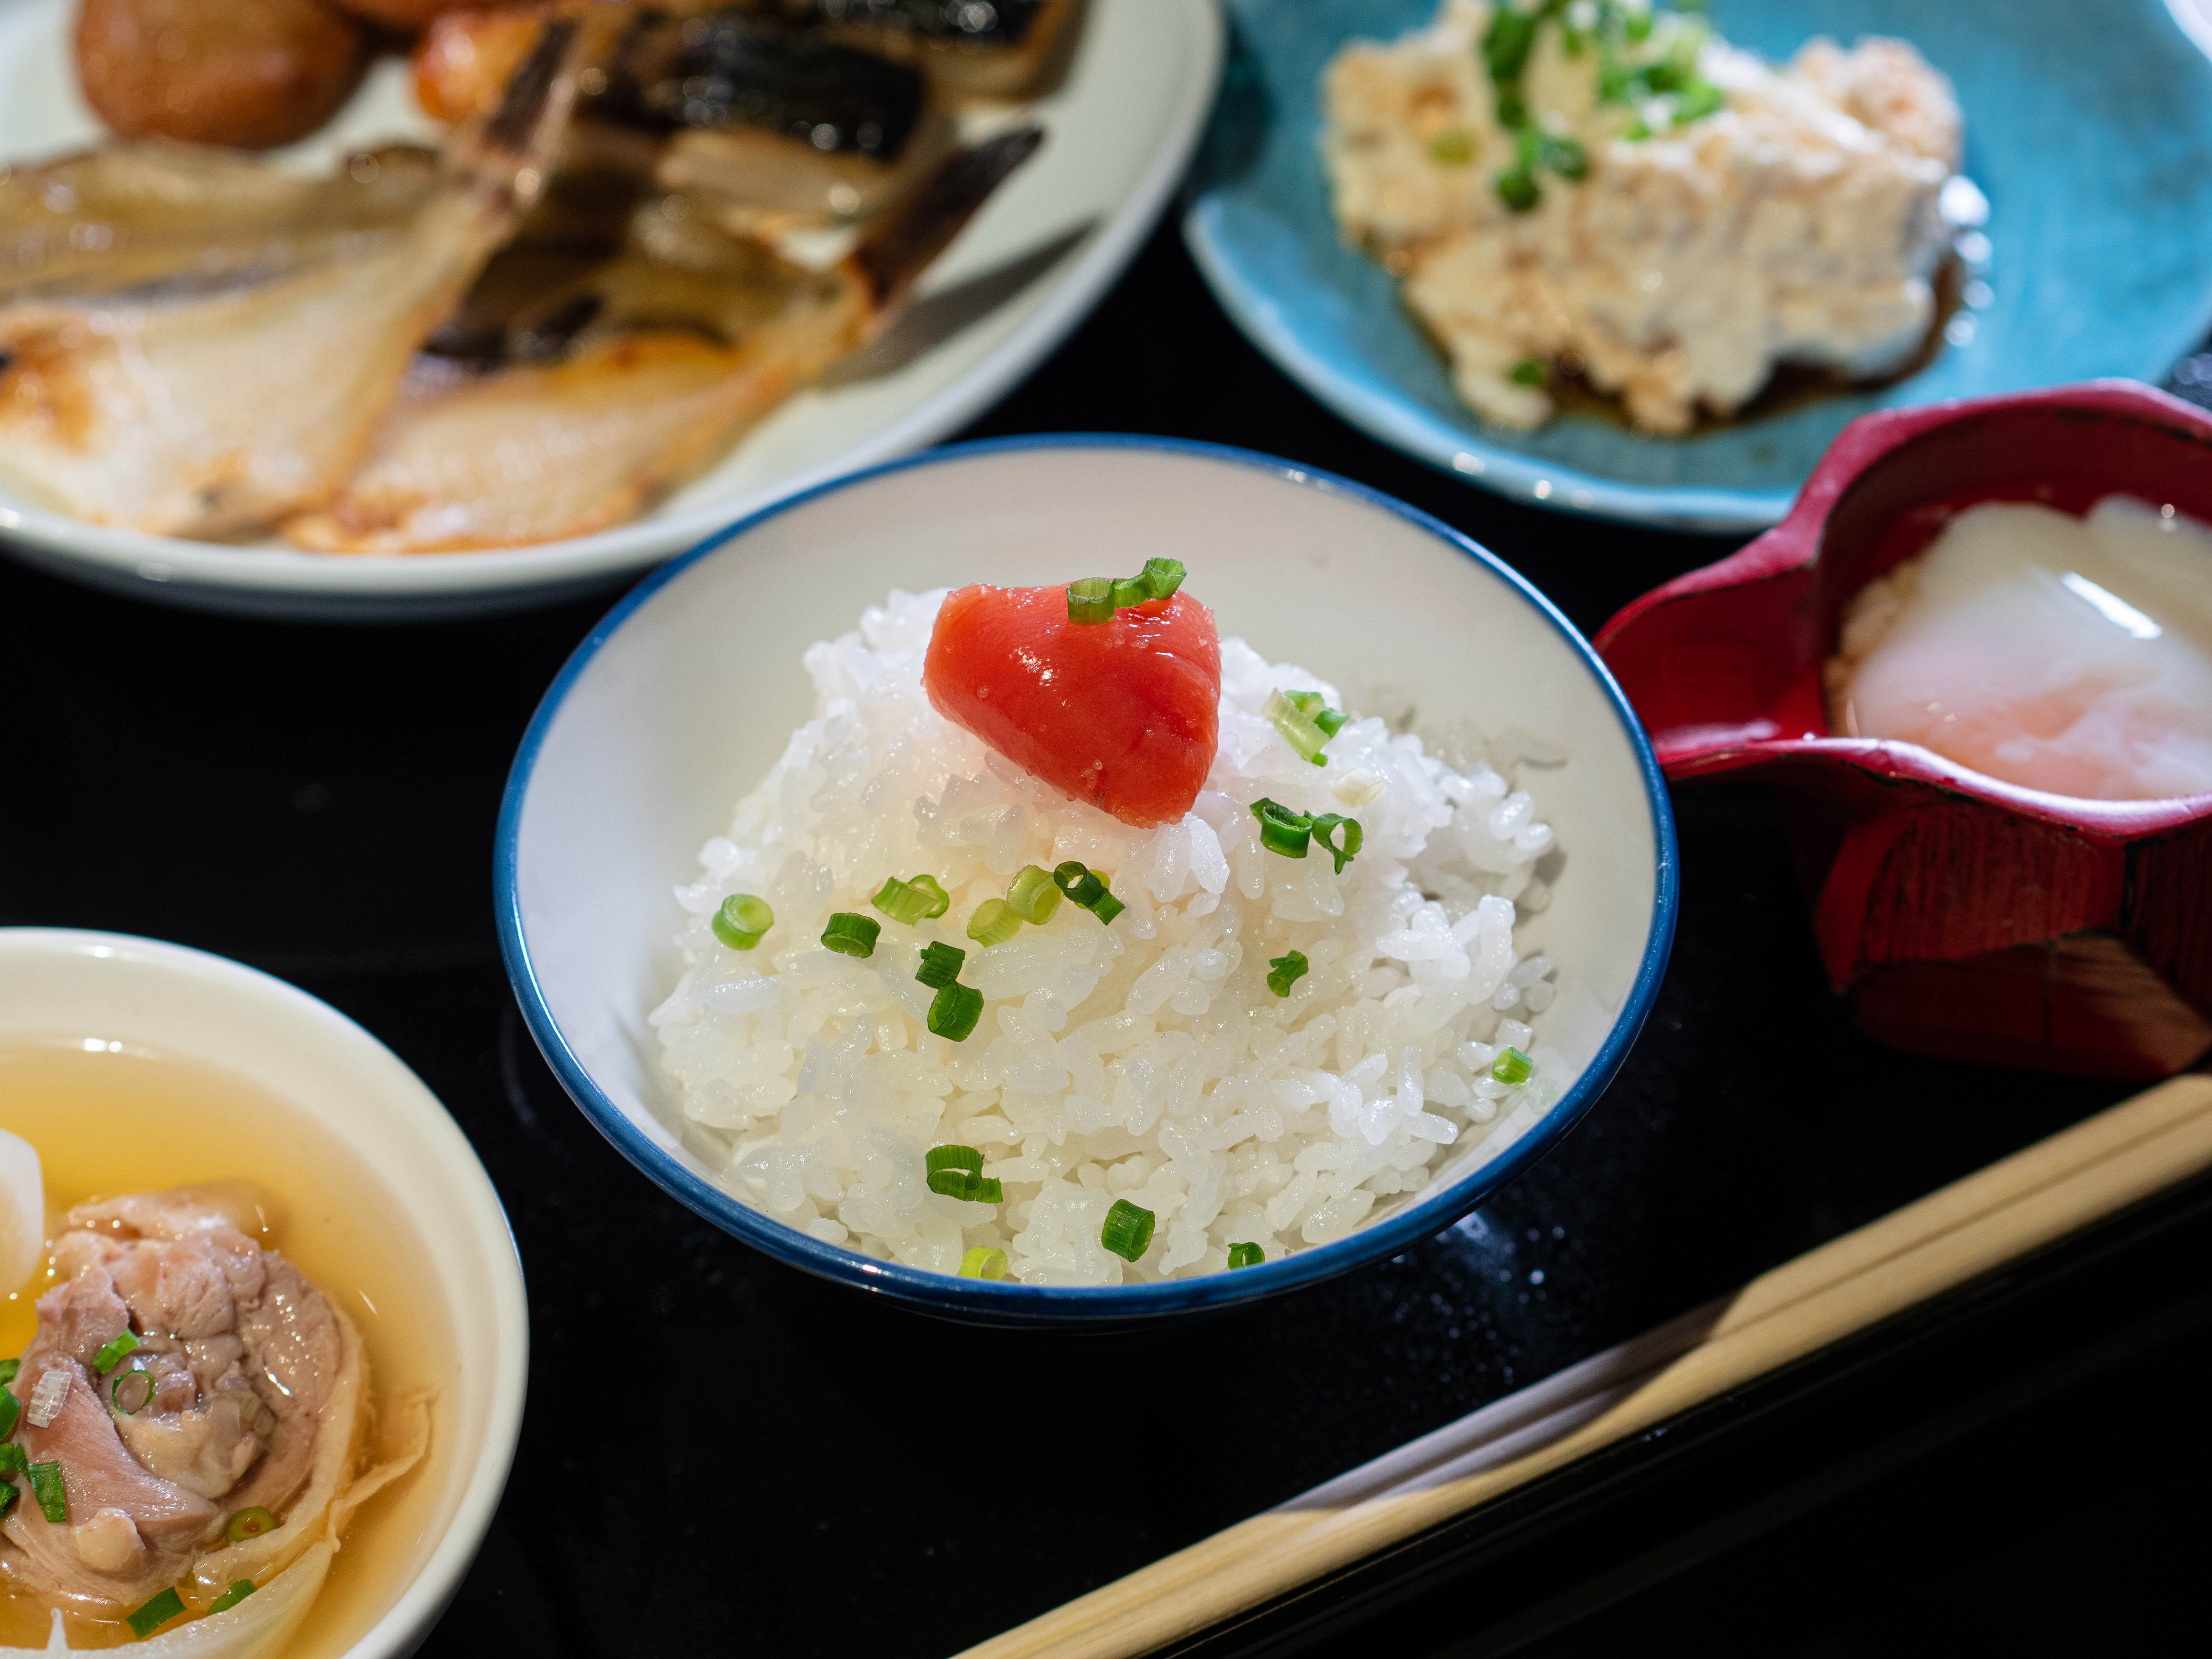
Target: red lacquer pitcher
{"x":1962,"y":916}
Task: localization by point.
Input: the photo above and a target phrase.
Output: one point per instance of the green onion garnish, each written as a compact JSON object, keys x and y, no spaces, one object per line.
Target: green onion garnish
{"x":994,"y":923}
{"x":1033,"y":897}
{"x":742,"y":920}
{"x":1452,"y":150}
{"x":1564,"y":157}
{"x":1512,"y":1067}
{"x":46,"y":1486}
{"x":139,"y":1398}
{"x":14,"y":1459}
{"x":1518,"y":190}
{"x":1346,"y":847}
{"x":1284,"y":972}
{"x":953,"y":1157}
{"x":1132,"y":591}
{"x":984,"y":1262}
{"x":852,"y":935}
{"x":1282,"y":830}
{"x":1306,"y":722}
{"x":940,"y":964}
{"x":157,"y":1613}
{"x":1090,"y":601}
{"x":1086,"y":888}
{"x":248,"y":1523}
{"x":910,"y":901}
{"x":1530,"y":371}
{"x":11,"y":1409}
{"x":1164,"y":577}
{"x":954,"y":1011}
{"x":231,"y":1597}
{"x":112,"y":1356}
{"x":8,"y":1369}
{"x":1245,"y":1255}
{"x":968,"y":1184}
{"x":1128,"y":1229}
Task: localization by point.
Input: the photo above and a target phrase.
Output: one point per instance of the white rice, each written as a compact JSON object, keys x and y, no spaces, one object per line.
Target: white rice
{"x":1147,"y":1060}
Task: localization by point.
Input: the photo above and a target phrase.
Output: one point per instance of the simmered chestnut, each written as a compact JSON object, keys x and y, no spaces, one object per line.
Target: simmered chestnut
{"x":249,"y":73}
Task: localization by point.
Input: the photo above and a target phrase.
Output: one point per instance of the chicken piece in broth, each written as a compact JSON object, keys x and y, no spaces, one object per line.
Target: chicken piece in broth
{"x":201,"y":1402}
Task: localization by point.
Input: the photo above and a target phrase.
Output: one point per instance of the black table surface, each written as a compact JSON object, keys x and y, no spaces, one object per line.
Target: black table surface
{"x":319,"y":801}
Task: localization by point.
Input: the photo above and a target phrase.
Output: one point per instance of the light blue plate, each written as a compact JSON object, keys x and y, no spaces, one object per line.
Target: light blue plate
{"x":2089,"y":126}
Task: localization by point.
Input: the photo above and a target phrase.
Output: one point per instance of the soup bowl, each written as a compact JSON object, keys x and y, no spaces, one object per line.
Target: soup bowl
{"x":685,"y":695}
{"x":181,"y":1004}
{"x":1963,"y":915}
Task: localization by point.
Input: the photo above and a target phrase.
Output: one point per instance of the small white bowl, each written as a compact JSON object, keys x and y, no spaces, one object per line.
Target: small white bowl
{"x":190,"y":1005}
{"x":684,"y":696}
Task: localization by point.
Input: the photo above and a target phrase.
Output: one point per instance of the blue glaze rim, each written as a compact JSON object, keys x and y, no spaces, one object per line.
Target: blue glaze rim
{"x":1006,"y":1301}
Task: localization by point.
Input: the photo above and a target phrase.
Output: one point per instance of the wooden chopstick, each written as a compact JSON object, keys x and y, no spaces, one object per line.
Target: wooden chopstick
{"x":2018,"y":1204}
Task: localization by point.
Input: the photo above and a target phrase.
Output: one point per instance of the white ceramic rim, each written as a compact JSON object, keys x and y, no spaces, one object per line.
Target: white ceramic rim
{"x":329,"y":580}
{"x":410,"y":1618}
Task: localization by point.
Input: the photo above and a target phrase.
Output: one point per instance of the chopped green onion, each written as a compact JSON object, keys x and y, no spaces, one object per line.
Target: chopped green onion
{"x":1637,"y":25}
{"x":852,"y":935}
{"x":11,"y":1409}
{"x":8,"y":1369}
{"x":742,"y":920}
{"x":1033,"y":897}
{"x":1128,"y":1229}
{"x":14,"y":1459}
{"x":1346,"y":848}
{"x":46,"y":1486}
{"x":231,"y":1597}
{"x":967,"y":1184}
{"x":1512,"y":1066}
{"x":140,"y":1397}
{"x":1697,"y":101}
{"x":1565,"y":156}
{"x":1086,"y":888}
{"x":954,"y":1011}
{"x":1090,"y":601}
{"x":1297,"y":717}
{"x":112,"y":1356}
{"x":1530,"y":371}
{"x":994,"y":923}
{"x":1245,"y":1255}
{"x":984,"y":1262}
{"x":1508,"y":40}
{"x":1282,"y":830}
{"x":249,"y":1523}
{"x":940,"y":964}
{"x":1164,"y":577}
{"x":953,"y":1157}
{"x":910,"y":901}
{"x":1451,"y":149}
{"x":1130,"y":591}
{"x":157,"y":1613}
{"x":1284,"y":972}
{"x":1518,"y":190}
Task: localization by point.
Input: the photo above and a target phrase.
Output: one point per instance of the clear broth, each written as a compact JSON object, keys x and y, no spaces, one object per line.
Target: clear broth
{"x":107,"y":1120}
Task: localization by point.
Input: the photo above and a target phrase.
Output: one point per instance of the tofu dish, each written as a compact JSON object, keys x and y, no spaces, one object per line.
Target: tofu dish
{"x":1605,"y":192}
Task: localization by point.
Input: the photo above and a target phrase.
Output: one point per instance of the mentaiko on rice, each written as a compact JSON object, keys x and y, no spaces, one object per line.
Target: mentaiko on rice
{"x":1175,"y":1063}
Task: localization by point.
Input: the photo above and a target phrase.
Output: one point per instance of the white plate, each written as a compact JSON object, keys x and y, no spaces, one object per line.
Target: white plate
{"x":186,"y":1004}
{"x":1118,"y":129}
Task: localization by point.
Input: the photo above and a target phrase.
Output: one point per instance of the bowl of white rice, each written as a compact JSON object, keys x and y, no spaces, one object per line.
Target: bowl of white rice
{"x":1249,"y":1070}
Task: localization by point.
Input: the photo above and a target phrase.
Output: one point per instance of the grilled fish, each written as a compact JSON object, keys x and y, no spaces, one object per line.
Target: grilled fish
{"x":591,"y":397}
{"x":215,"y":414}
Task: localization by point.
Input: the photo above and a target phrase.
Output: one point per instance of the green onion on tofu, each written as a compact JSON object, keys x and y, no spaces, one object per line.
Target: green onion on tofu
{"x":741,"y":921}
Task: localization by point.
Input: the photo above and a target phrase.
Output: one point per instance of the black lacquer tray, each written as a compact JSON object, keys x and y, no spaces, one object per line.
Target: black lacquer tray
{"x":723,"y":1455}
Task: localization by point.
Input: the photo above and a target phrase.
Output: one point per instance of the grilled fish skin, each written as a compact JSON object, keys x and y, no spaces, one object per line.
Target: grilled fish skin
{"x":660,"y":357}
{"x":217,"y":414}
